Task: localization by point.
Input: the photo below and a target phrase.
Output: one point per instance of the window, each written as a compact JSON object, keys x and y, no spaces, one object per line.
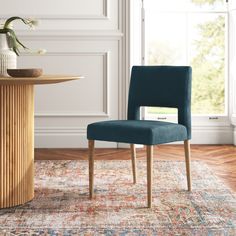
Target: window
{"x":190,"y":32}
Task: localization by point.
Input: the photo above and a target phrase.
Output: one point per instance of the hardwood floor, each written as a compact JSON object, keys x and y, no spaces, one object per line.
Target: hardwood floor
{"x":221,"y":158}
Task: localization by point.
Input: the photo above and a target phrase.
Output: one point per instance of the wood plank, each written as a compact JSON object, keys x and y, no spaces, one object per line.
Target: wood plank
{"x":188,"y":163}
{"x":91,"y":168}
{"x":133,"y":159}
{"x":44,"y":79}
{"x":149,"y":174}
{"x":16,"y":155}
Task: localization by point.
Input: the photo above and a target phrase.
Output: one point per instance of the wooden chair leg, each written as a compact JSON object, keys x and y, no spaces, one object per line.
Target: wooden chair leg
{"x":91,"y":167}
{"x":133,"y":157}
{"x":149,"y":174}
{"x":187,"y":160}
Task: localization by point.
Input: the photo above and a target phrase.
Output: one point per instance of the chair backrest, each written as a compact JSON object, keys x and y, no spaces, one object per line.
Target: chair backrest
{"x":161,"y":86}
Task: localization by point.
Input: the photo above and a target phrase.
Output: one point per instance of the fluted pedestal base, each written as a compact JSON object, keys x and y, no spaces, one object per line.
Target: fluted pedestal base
{"x":16,"y":144}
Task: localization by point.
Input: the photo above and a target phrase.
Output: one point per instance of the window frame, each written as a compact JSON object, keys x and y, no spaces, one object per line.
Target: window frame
{"x":202,"y":120}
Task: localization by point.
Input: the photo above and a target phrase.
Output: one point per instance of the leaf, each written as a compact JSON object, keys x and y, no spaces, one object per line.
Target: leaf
{"x":14,"y":35}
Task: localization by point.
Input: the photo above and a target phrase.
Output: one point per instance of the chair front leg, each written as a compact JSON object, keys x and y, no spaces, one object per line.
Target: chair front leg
{"x":91,"y":167}
{"x":133,"y":157}
{"x":187,"y":161}
{"x":149,"y":174}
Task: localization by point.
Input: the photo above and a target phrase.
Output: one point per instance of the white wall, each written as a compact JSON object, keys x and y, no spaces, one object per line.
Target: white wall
{"x":82,"y":38}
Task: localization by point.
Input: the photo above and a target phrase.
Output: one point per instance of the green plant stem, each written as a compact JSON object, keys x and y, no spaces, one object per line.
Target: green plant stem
{"x":8,"y":21}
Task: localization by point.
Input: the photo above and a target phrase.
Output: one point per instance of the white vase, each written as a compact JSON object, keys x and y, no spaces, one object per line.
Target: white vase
{"x":7,"y":56}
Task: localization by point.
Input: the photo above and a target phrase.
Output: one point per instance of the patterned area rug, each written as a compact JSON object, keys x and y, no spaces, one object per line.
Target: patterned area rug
{"x":61,"y":205}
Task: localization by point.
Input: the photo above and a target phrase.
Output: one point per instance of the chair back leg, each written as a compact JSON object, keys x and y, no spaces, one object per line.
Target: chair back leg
{"x":133,"y":157}
{"x":91,"y":167}
{"x":149,"y":174}
{"x":187,"y":161}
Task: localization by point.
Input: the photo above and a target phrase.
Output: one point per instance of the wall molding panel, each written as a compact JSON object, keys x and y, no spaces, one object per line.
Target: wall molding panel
{"x":70,"y":36}
{"x":95,"y":15}
{"x":106,"y":70}
{"x":102,"y":15}
{"x":105,"y":111}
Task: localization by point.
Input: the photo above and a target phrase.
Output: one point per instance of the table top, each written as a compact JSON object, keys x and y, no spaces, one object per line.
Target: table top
{"x":44,"y":79}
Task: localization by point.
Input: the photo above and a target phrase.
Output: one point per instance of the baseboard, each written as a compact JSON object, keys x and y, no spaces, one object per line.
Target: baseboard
{"x":76,"y":137}
{"x":65,"y":138}
{"x":212,"y":135}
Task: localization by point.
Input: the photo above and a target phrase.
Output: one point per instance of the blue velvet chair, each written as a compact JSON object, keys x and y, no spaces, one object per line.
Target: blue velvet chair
{"x":155,"y":86}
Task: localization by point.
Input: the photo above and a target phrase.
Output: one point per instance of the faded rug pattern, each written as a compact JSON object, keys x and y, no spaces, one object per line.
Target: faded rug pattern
{"x":61,"y":205}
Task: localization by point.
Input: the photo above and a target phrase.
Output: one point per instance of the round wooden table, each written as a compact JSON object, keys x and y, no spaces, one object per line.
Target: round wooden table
{"x":17,"y":137}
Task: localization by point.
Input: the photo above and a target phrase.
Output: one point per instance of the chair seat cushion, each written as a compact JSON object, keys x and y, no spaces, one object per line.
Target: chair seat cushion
{"x":137,"y":131}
